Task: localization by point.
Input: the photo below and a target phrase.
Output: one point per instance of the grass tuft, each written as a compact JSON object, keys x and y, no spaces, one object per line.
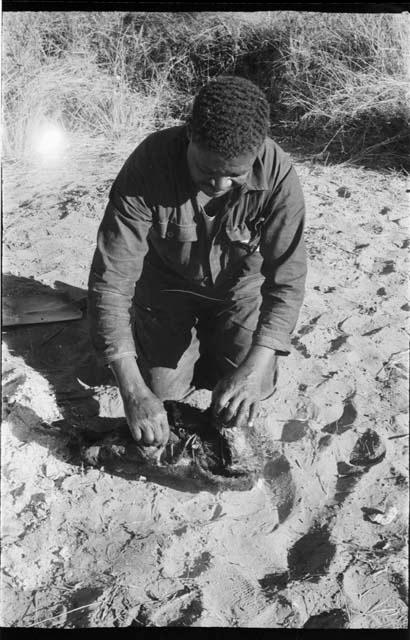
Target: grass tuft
{"x":337,"y":83}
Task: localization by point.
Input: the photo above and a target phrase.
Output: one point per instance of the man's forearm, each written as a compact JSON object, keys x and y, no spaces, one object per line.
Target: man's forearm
{"x":278,"y":315}
{"x":284,"y":267}
{"x":259,"y":358}
{"x":128,"y":376}
{"x":110,"y":323}
{"x":116,"y":265}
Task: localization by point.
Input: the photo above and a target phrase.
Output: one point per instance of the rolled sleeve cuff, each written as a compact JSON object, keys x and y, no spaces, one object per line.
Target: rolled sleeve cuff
{"x":279,"y":343}
{"x":108,"y":358}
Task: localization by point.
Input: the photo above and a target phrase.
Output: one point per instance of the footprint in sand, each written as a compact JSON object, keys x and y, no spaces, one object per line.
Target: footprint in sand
{"x":198,"y":566}
{"x":271,"y":583}
{"x":368,"y":451}
{"x":77,"y":605}
{"x":310,"y":557}
{"x":345,"y":421}
{"x":294,"y":430}
{"x":348,"y":477}
{"x":278,"y":477}
{"x":332,"y":619}
{"x":339,"y":426}
{"x":188,"y":615}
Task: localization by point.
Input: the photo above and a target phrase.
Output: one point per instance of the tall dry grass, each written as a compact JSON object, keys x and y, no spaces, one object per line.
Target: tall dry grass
{"x":346,"y":84}
{"x":337,"y":83}
{"x":53,"y":73}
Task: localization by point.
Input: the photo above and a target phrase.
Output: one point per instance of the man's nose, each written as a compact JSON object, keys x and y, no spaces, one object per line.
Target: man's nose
{"x":221,"y":184}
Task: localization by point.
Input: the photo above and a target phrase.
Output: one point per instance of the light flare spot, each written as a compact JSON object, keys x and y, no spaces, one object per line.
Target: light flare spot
{"x":48,"y":142}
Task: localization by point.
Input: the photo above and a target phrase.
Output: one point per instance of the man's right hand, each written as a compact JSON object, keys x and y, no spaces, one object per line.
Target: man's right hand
{"x":145,"y":413}
{"x":146,"y":417}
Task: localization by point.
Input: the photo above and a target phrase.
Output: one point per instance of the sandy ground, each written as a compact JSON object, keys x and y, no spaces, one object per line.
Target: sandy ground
{"x":83,"y":547}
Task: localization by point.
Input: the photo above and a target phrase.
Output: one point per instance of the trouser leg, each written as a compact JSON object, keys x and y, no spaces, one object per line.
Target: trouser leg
{"x":175,"y":336}
{"x":225,"y":333}
{"x":167,"y":345}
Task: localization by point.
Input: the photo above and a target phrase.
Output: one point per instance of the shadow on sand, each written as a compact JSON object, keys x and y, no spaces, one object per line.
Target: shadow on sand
{"x":62,"y":353}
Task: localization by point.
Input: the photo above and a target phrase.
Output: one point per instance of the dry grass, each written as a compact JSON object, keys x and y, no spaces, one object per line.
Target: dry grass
{"x":350,"y":84}
{"x":337,"y":83}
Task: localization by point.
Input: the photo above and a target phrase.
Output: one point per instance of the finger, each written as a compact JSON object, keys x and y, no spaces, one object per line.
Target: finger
{"x":233,"y":420}
{"x":135,"y":432}
{"x":242,"y":415}
{"x":253,"y":414}
{"x":220,"y":400}
{"x":148,"y":434}
{"x":230,"y":411}
{"x":156,"y":428}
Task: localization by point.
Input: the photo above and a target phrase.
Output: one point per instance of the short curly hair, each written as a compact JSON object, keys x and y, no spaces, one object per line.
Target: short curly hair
{"x":230,"y":115}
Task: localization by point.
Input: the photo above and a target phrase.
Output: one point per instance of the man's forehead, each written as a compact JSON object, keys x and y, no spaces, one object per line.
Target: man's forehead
{"x":214,"y":161}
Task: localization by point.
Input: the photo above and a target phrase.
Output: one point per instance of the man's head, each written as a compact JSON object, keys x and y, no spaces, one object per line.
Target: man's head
{"x":229,"y":122}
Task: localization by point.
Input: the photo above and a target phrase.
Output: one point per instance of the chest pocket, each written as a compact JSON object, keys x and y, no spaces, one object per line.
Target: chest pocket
{"x":174,"y":232}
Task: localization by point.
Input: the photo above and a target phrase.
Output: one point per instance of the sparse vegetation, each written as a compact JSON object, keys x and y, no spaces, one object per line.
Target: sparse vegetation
{"x":337,"y":83}
{"x":86,"y":548}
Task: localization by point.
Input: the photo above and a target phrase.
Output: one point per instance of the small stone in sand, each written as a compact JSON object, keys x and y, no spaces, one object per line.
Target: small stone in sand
{"x":344,"y":192}
{"x":384,"y":518}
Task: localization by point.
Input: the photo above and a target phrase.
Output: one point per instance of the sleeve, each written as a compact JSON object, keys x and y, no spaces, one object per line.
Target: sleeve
{"x":117,"y":264}
{"x":284,"y":265}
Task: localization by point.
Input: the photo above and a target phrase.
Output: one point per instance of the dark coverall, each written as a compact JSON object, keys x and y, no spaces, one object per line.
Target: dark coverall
{"x":188,"y":288}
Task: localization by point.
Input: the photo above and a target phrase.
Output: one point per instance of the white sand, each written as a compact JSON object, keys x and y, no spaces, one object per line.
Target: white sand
{"x":133,"y":552}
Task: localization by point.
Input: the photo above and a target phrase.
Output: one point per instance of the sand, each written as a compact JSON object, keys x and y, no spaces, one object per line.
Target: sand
{"x":86,"y":548}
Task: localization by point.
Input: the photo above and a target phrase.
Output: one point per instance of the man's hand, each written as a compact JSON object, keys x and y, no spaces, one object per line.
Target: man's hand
{"x":146,"y":417}
{"x":235,"y":399}
{"x":145,"y":413}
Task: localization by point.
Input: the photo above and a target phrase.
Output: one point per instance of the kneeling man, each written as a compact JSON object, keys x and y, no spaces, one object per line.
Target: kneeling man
{"x":199,"y":271}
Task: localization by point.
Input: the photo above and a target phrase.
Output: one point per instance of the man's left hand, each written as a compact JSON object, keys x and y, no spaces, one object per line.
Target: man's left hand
{"x":235,"y":399}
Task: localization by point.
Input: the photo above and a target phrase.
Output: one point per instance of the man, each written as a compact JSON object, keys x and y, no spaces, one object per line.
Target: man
{"x":199,"y":272}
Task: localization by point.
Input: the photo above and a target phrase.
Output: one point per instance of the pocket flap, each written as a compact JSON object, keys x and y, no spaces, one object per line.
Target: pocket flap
{"x":180,"y":232}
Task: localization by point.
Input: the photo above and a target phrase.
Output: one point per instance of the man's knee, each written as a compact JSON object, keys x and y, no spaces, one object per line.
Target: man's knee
{"x":166,"y":384}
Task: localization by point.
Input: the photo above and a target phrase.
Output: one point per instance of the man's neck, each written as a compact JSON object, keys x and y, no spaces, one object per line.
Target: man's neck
{"x":203,"y":199}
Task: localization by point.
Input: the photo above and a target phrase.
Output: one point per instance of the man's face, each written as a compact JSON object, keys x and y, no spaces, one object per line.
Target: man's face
{"x":213,"y":174}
